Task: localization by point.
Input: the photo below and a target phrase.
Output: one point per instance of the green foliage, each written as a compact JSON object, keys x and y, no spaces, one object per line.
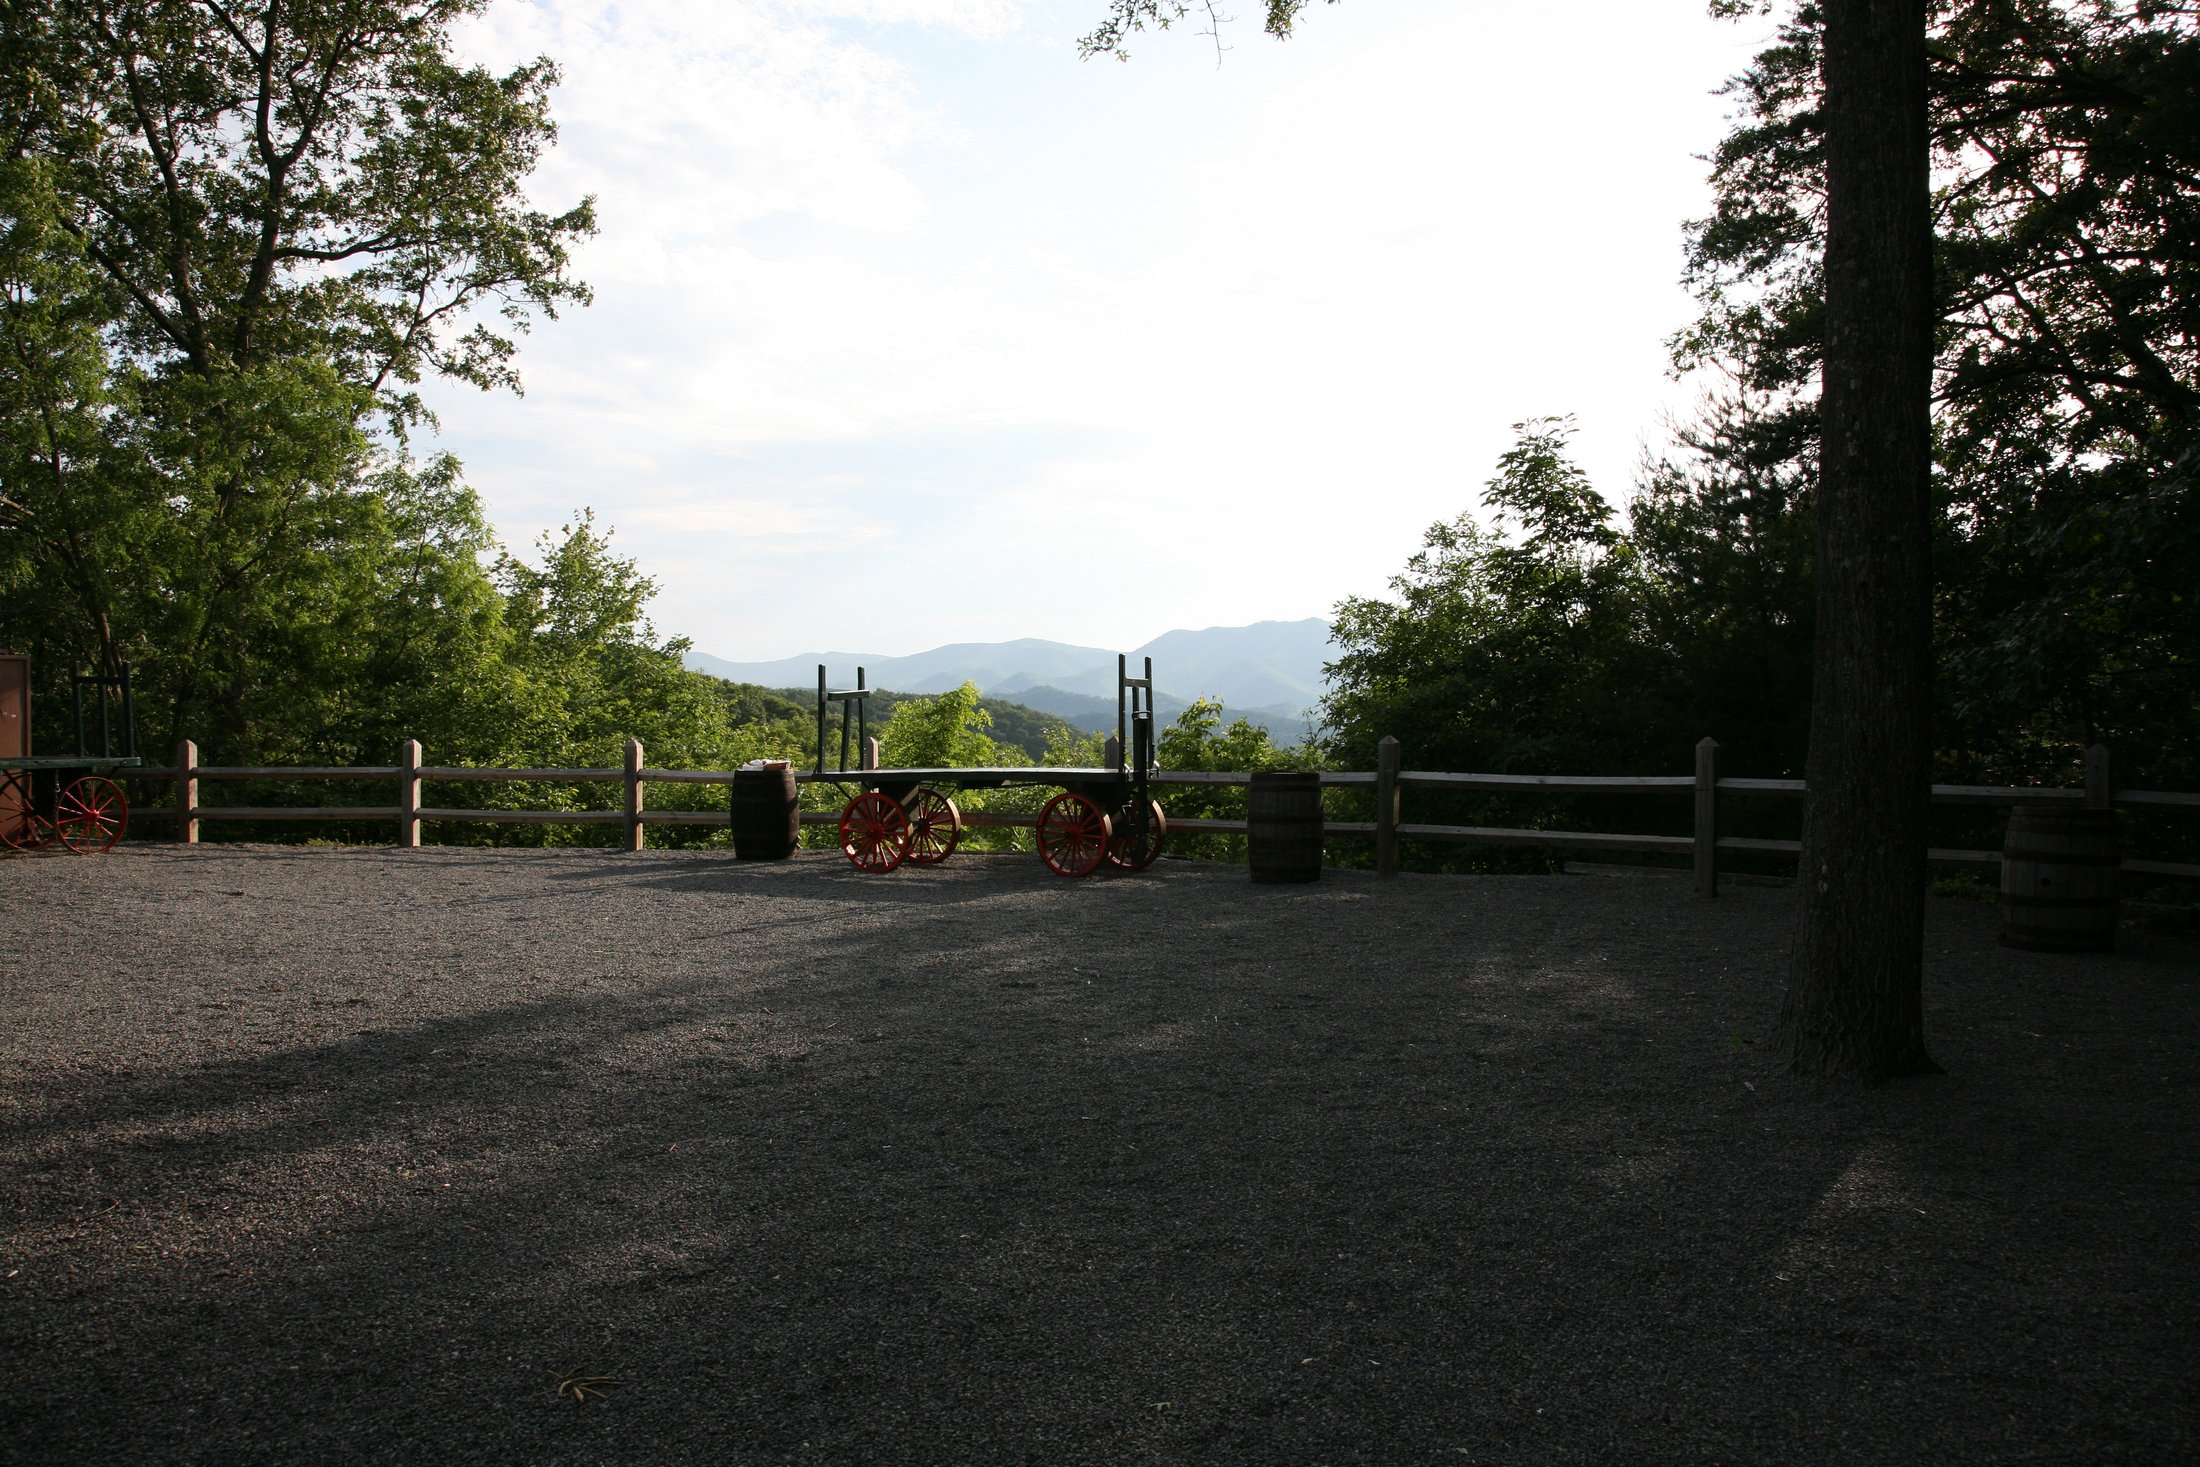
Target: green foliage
{"x":2066,"y":147}
{"x":1520,"y":647}
{"x":1073,"y":748}
{"x":1556,"y":641}
{"x":1012,"y":726}
{"x":593,"y":670}
{"x":1127,"y":17}
{"x":232,"y":250}
{"x":2066,"y":165}
{"x":943,"y":731}
{"x":1198,"y":740}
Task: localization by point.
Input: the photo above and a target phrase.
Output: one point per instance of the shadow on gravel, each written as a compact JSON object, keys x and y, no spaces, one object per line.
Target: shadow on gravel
{"x":988,"y":1169}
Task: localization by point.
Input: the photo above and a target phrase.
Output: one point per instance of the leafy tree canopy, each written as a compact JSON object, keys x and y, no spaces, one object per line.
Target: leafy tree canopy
{"x":1127,"y":17}
{"x":235,"y":244}
{"x":944,"y":731}
{"x":1516,"y":646}
{"x":2066,"y":140}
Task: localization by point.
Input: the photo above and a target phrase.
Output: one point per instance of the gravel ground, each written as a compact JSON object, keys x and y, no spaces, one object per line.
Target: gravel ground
{"x":347,"y":1156}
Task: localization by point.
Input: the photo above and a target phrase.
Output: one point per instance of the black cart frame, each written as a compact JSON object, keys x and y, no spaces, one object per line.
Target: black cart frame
{"x":1105,"y":816}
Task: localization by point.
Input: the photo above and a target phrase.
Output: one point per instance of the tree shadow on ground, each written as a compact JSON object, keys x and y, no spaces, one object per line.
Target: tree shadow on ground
{"x":994,"y":1169}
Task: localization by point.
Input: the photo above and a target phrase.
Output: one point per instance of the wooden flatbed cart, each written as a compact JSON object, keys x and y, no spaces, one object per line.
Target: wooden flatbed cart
{"x":1103,"y":816}
{"x":73,"y":799}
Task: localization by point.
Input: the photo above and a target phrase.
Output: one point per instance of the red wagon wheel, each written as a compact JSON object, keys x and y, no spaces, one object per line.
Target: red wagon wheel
{"x":1073,"y":835}
{"x":1131,"y":849}
{"x":935,"y":825}
{"x":91,"y":814}
{"x":874,"y":832}
{"x":22,"y":828}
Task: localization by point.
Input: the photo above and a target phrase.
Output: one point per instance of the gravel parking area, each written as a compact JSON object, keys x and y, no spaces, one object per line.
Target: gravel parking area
{"x":350,"y":1155}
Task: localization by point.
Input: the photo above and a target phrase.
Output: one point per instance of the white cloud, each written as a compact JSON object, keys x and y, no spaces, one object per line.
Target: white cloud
{"x":905,"y":271}
{"x":981,"y":18}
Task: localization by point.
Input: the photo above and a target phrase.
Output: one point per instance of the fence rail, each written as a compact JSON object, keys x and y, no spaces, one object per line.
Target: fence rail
{"x":1703,"y":846}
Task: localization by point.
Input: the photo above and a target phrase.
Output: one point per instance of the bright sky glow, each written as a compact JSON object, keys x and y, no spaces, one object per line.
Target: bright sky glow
{"x":912,"y":328}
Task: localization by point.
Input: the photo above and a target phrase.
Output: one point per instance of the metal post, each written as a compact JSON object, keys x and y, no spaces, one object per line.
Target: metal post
{"x":408,"y":794}
{"x":2100,"y":779}
{"x":129,"y":713}
{"x":1386,"y":807}
{"x":187,"y":792}
{"x":844,"y":726}
{"x":1122,"y":676}
{"x":1707,"y":818}
{"x":634,"y":789}
{"x":821,"y":718}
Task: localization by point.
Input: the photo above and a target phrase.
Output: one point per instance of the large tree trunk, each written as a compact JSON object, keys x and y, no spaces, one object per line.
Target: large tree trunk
{"x":1855,"y":999}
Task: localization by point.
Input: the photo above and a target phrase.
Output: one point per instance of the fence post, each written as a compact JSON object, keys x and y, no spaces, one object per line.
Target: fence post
{"x":408,"y":794}
{"x":1386,"y":807}
{"x":1707,"y":818}
{"x":634,"y":794}
{"x":187,"y":792}
{"x":2100,"y":779}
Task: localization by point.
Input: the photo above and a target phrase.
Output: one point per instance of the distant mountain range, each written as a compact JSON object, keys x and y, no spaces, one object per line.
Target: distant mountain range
{"x":1269,"y":672}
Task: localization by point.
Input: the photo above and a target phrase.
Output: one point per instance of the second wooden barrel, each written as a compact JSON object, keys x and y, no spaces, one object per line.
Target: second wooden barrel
{"x":1284,"y":826}
{"x":2058,"y":879}
{"x":767,"y":820}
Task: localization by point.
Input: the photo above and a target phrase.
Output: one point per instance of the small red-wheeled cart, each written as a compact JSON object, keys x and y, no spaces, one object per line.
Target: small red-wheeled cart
{"x":70,"y":800}
{"x":1102,"y":817}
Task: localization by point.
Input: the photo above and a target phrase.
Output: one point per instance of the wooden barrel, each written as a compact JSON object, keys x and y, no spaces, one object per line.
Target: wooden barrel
{"x":767,"y":821}
{"x":2058,"y":879}
{"x":1284,"y":826}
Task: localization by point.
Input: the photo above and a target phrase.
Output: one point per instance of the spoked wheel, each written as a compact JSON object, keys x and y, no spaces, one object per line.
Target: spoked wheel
{"x":1132,"y":849}
{"x":91,"y":815}
{"x":1073,"y":835}
{"x":874,"y":832}
{"x":22,"y":828}
{"x":935,"y":825}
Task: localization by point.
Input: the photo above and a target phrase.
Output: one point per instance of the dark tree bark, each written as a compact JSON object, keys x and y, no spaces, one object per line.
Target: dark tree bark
{"x":1855,"y":998}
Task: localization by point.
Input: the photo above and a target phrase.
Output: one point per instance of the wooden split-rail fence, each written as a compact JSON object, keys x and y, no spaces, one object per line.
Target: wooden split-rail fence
{"x":1386,"y":782}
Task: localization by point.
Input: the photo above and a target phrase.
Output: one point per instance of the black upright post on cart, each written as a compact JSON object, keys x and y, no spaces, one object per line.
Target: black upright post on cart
{"x":79,"y":680}
{"x":859,"y":695}
{"x":1142,"y":729}
{"x":1134,"y":702}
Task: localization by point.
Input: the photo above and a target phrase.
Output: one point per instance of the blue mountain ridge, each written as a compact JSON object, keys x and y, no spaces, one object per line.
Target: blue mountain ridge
{"x":1269,"y":672}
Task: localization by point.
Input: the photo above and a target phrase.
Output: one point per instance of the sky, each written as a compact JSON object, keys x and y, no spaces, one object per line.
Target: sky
{"x":910,"y":327}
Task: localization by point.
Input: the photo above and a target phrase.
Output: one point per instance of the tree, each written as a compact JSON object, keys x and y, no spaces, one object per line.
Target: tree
{"x":2067,"y":377}
{"x":1127,"y":17}
{"x":282,"y":221}
{"x":1515,"y":647}
{"x":944,"y":731}
{"x":1197,"y":739}
{"x":1855,"y":995}
{"x":1854,"y":1002}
